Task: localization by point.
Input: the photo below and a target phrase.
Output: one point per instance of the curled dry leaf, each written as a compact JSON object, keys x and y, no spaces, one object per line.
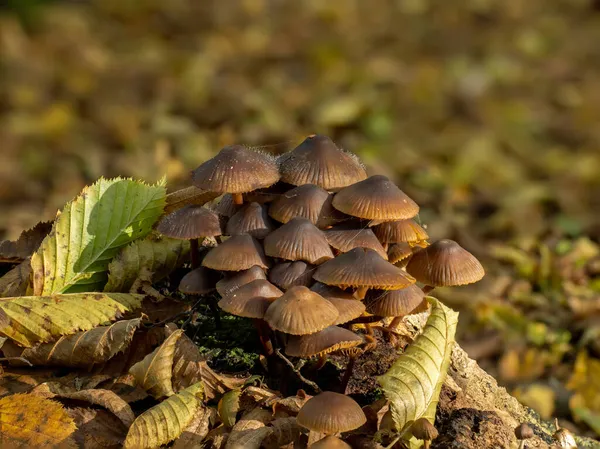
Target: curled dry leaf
{"x":97,"y":428}
{"x":250,"y":430}
{"x":154,"y":373}
{"x":290,"y":405}
{"x":166,"y":421}
{"x":197,"y":429}
{"x":15,"y":282}
{"x":15,"y":251}
{"x":28,"y":421}
{"x":33,"y":319}
{"x":284,"y":431}
{"x":81,"y":349}
{"x":217,"y":437}
{"x":188,"y":196}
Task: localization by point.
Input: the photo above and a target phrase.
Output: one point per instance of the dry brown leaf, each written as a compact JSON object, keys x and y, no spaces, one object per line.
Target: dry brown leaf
{"x":97,"y":429}
{"x":196,"y":430}
{"x":260,"y":395}
{"x":15,"y":282}
{"x":81,"y":349}
{"x":155,"y":371}
{"x":29,"y":240}
{"x":292,"y":404}
{"x":284,"y":431}
{"x":126,"y":388}
{"x":19,"y":380}
{"x":217,"y":437}
{"x":30,"y":421}
{"x":188,"y":196}
{"x":250,"y":430}
{"x":163,"y":310}
{"x":166,"y":421}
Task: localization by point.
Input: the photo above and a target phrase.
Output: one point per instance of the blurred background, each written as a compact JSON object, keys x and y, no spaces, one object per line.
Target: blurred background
{"x":486,"y":112}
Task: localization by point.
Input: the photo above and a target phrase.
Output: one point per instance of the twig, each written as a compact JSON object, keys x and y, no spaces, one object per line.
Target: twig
{"x":297,"y":372}
{"x":22,"y":359}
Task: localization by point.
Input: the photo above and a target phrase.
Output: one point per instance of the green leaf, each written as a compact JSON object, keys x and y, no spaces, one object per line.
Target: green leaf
{"x":157,"y":256}
{"x":413,"y":383}
{"x":33,"y":319}
{"x":91,"y":230}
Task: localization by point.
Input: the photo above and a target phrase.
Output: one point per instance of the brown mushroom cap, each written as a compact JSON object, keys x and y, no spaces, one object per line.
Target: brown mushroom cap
{"x":331,"y":413}
{"x":251,"y":300}
{"x":444,"y":264}
{"x":394,"y":302}
{"x":375,"y":198}
{"x":329,"y":215}
{"x":251,"y":219}
{"x":226,"y":207}
{"x":236,"y":280}
{"x":288,"y":274}
{"x":362,"y":267}
{"x":330,"y":442}
{"x":190,"y":222}
{"x":199,"y":281}
{"x":303,"y":201}
{"x":300,"y":312}
{"x":237,"y":253}
{"x":398,"y":252}
{"x":267,"y":194}
{"x":347,"y":237}
{"x":422,"y":429}
{"x":400,"y":231}
{"x":348,"y":309}
{"x":236,"y":169}
{"x":328,"y":340}
{"x":298,"y":239}
{"x":317,"y":160}
{"x":331,"y":291}
{"x":523,"y":431}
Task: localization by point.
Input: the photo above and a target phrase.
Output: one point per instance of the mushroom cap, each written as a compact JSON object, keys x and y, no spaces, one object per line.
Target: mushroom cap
{"x":236,"y":169}
{"x":398,"y":252}
{"x":400,"y":231}
{"x":236,"y":280}
{"x":422,"y":429}
{"x":523,"y":431}
{"x":251,"y":219}
{"x":348,"y":309}
{"x":267,"y":194}
{"x":444,"y":264}
{"x":251,"y":300}
{"x":347,"y":237}
{"x":375,"y":198}
{"x":237,"y":253}
{"x":199,"y":281}
{"x":303,"y":201}
{"x":288,"y":274}
{"x":331,"y":291}
{"x":362,"y":267}
{"x":330,"y":442}
{"x":394,"y":302}
{"x":300,"y":311}
{"x":331,"y":413}
{"x":190,"y":222}
{"x":328,"y":340}
{"x":226,"y":207}
{"x":317,"y":160}
{"x":329,"y":215}
{"x":298,"y":239}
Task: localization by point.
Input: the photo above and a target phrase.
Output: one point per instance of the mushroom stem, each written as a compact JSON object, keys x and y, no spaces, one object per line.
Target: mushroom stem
{"x":386,"y":246}
{"x":194,"y":253}
{"x":321,"y":362}
{"x":360,"y":292}
{"x":522,"y":444}
{"x":238,"y":198}
{"x":426,"y":444}
{"x":348,"y":374}
{"x":263,"y":334}
{"x":427,"y":288}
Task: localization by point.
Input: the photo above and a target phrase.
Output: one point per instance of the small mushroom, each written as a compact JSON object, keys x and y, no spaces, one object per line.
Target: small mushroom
{"x":190,"y":223}
{"x":398,"y":253}
{"x":331,"y":413}
{"x":235,"y":280}
{"x":375,"y":198}
{"x":304,"y":201}
{"x":298,"y":239}
{"x":202,"y":281}
{"x":289,"y":274}
{"x":400,"y":231}
{"x":563,"y":437}
{"x":237,"y":253}
{"x":523,"y":432}
{"x":251,"y":219}
{"x":347,"y":237}
{"x":444,"y":264}
{"x":330,"y":442}
{"x":422,"y":429}
{"x":236,"y":170}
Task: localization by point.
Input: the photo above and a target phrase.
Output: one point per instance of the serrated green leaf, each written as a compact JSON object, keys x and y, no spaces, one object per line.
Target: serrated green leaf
{"x":157,"y":256}
{"x":35,"y":319}
{"x":90,"y":231}
{"x":413,"y":383}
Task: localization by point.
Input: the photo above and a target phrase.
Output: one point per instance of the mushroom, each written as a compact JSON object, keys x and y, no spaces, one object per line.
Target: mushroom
{"x":363,"y":268}
{"x":252,"y":301}
{"x":236,"y":280}
{"x":190,"y":223}
{"x":330,"y":216}
{"x":563,"y":437}
{"x":298,"y":239}
{"x":236,"y":170}
{"x":331,"y":339}
{"x":300,"y":311}
{"x":375,"y":198}
{"x":317,"y":160}
{"x":523,"y":432}
{"x":444,"y":264}
{"x":330,"y":442}
{"x":237,"y":253}
{"x":400,"y":231}
{"x":422,"y":429}
{"x":347,"y":237}
{"x":251,"y":219}
{"x":304,"y":201}
{"x":398,"y":253}
{"x":201,"y":281}
{"x":331,"y":413}
{"x":288,"y":274}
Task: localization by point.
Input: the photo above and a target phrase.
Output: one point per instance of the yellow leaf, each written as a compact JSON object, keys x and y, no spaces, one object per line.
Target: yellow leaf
{"x":165,"y":421}
{"x":29,"y":421}
{"x":197,"y":429}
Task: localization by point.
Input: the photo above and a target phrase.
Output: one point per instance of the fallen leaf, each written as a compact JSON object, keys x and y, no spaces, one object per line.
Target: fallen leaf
{"x":284,"y":431}
{"x":15,"y":282}
{"x":250,"y":430}
{"x":97,"y":429}
{"x":18,"y":250}
{"x":229,"y":406}
{"x":197,"y":429}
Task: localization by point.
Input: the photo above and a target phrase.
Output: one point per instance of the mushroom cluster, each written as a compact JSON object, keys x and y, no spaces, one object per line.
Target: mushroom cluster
{"x":309,"y":245}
